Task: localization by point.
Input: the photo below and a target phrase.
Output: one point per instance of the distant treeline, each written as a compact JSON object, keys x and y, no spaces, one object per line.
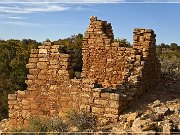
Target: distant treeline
{"x":14,"y":55}
{"x":168,"y":51}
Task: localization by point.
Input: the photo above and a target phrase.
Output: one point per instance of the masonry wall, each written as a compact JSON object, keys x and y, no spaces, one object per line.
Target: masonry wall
{"x":123,"y":74}
{"x":109,"y":64}
{"x":144,"y":40}
{"x":50,"y":91}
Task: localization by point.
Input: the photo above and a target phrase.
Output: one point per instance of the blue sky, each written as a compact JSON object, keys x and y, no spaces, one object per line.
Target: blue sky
{"x":56,"y":19}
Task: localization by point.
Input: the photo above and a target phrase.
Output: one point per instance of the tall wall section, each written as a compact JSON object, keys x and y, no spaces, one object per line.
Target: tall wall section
{"x":124,"y":73}
{"x":111,"y":65}
{"x":144,"y":40}
{"x":103,"y":59}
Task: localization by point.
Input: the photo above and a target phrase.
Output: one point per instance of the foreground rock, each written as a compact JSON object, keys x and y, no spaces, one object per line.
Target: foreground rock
{"x":157,"y":112}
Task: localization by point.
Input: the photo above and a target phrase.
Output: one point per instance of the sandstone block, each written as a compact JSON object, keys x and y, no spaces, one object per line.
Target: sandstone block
{"x":143,"y":125}
{"x":112,"y":116}
{"x":114,"y":96}
{"x":86,"y":89}
{"x":20,"y":92}
{"x":101,"y":102}
{"x":42,"y":77}
{"x":33,"y":60}
{"x":11,"y":115}
{"x":86,"y":81}
{"x":43,"y":51}
{"x":25,"y":102}
{"x":43,"y":55}
{"x":54,"y":66}
{"x":34,"y":112}
{"x":96,"y":94}
{"x":48,"y":43}
{"x":64,"y":55}
{"x":40,"y":82}
{"x":12,"y":121}
{"x":31,"y":65}
{"x":167,"y":127}
{"x":54,"y":61}
{"x":20,"y":122}
{"x":12,"y":97}
{"x":55,"y":50}
{"x":29,"y":82}
{"x":34,"y":51}
{"x":85,"y":95}
{"x":63,"y":63}
{"x":33,"y":55}
{"x":86,"y":101}
{"x":63,"y":72}
{"x":55,"y":46}
{"x":53,"y":113}
{"x":114,"y":104}
{"x":43,"y":59}
{"x":97,"y":110}
{"x":25,"y":114}
{"x":31,"y":88}
{"x":26,"y":123}
{"x":65,"y":59}
{"x":16,"y":107}
{"x":31,"y":77}
{"x":53,"y":87}
{"x":132,"y":116}
{"x":25,"y":107}
{"x":33,"y":71}
{"x":105,"y":95}
{"x":42,"y":65}
{"x":138,"y":57}
{"x":85,"y":108}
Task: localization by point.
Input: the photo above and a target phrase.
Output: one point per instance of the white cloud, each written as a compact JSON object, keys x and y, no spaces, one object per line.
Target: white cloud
{"x":16,"y":17}
{"x":31,"y":8}
{"x":66,"y":1}
{"x":10,"y":17}
{"x":24,"y":24}
{"x":11,"y":10}
{"x":89,"y":1}
{"x":156,"y":1}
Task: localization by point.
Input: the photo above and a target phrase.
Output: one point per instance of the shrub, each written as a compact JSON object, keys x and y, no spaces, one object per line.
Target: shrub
{"x":169,"y":57}
{"x":170,"y":68}
{"x":37,"y":125}
{"x":82,"y":120}
{"x":43,"y":126}
{"x":56,"y":124}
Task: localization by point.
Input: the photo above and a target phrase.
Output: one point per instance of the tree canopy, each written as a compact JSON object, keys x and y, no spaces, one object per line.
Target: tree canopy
{"x":13,"y":59}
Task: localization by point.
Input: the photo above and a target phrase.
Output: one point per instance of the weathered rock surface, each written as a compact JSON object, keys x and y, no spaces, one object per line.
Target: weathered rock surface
{"x":156,"y":114}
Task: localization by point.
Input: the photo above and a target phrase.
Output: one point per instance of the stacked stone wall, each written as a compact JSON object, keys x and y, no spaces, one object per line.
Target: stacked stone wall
{"x":121,"y":73}
{"x":50,"y":90}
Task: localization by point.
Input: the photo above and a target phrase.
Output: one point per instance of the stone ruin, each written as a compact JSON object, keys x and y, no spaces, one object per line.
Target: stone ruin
{"x":112,"y":77}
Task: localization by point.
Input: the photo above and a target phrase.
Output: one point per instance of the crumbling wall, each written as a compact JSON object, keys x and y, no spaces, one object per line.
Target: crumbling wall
{"x":109,"y":64}
{"x":50,"y":91}
{"x":144,"y":40}
{"x":122,"y":73}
